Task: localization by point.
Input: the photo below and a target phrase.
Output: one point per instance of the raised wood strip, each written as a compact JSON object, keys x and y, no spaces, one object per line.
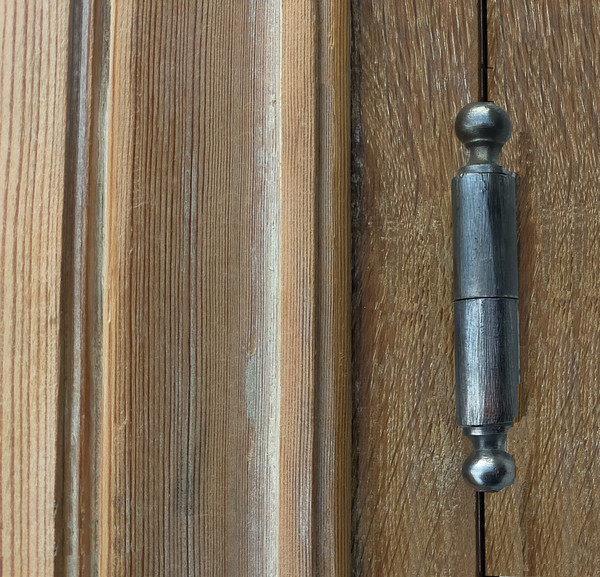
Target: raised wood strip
{"x":226,"y":359}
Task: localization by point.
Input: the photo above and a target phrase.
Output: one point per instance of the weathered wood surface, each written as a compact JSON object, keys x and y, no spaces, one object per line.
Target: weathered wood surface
{"x":33,"y":97}
{"x":413,"y":68}
{"x":222,"y":328}
{"x":76,"y":509}
{"x":226,"y":423}
{"x":33,"y":112}
{"x":175,"y":289}
{"x":52,"y":82}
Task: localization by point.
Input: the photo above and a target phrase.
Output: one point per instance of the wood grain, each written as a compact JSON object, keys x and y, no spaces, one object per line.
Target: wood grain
{"x":76,"y":510}
{"x":226,"y":354}
{"x":315,"y":291}
{"x":413,"y":65}
{"x":33,"y":103}
{"x":546,"y":76}
{"x":412,"y":514}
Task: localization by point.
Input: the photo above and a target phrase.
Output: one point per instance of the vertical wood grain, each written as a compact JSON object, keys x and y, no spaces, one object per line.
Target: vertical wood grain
{"x":332,"y":464}
{"x":299,"y":178}
{"x":175,"y":289}
{"x":76,"y":510}
{"x":225,"y":374}
{"x":33,"y":104}
{"x":546,"y":75}
{"x":315,"y":297}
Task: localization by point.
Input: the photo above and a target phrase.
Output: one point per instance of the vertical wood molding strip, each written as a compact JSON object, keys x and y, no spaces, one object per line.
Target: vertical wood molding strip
{"x":80,"y":395}
{"x":315,"y":290}
{"x":53,"y":101}
{"x":225,"y":433}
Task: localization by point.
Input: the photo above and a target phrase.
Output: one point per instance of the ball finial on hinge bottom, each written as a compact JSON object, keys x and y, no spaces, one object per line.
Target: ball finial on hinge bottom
{"x":483,"y":128}
{"x":489,"y":467}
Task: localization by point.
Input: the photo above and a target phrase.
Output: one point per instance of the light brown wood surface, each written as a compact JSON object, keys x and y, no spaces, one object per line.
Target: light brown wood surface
{"x":226,"y":422}
{"x":413,"y":68}
{"x":33,"y":111}
{"x":175,"y":260}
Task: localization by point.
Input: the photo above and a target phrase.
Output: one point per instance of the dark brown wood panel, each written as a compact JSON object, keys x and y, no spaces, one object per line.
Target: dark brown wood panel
{"x":412,"y":68}
{"x":413,"y":65}
{"x":546,"y":75}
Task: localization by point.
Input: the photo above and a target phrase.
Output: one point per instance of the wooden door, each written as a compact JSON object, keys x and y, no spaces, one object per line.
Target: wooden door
{"x":225,"y":295}
{"x":414,"y":67}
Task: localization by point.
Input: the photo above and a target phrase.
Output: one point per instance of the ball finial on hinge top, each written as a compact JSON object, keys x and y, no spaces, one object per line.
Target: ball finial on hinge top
{"x":483,"y":128}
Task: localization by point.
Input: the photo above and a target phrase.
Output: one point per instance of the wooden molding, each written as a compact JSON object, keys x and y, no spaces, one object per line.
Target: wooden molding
{"x":175,"y":289}
{"x":226,"y":442}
